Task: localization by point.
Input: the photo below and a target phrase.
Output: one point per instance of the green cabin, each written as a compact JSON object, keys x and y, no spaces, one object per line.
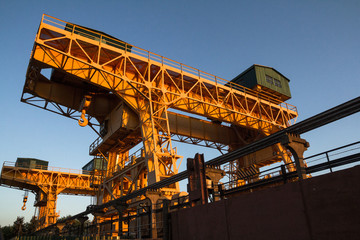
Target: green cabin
{"x":266,"y":80}
{"x":32,"y":163}
{"x":96,"y":163}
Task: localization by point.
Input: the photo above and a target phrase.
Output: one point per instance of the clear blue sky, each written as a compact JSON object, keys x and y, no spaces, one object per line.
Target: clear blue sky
{"x":316,"y":44}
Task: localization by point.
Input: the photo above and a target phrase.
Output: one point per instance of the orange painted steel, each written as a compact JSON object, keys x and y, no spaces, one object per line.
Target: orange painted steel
{"x":150,"y":90}
{"x":140,"y":74}
{"x":151,"y":85}
{"x":47,"y":183}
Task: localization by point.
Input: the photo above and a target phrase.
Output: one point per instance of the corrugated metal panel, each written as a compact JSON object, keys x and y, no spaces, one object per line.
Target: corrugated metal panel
{"x":265,"y":79}
{"x":247,"y":78}
{"x":279,"y":83}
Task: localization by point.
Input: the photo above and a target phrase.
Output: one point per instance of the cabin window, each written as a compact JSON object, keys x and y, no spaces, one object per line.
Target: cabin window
{"x":273,"y":81}
{"x":277,"y":83}
{"x":269,"y":79}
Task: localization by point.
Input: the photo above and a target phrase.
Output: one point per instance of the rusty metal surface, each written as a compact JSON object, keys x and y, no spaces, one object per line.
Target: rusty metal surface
{"x":324,"y":207}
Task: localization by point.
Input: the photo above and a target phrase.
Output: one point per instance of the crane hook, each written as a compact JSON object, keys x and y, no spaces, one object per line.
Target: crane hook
{"x":85,"y":103}
{"x":83,"y":122}
{"x":24,"y":201}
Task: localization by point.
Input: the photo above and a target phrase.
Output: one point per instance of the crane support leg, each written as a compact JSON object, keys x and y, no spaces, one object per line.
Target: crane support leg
{"x":160,"y":157}
{"x":153,"y":196}
{"x":60,"y":226}
{"x":286,"y":157}
{"x":46,"y":201}
{"x":297,"y":147}
{"x":82,"y":220}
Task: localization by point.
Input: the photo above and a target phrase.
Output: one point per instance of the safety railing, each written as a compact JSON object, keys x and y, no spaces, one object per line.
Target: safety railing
{"x":266,"y":174}
{"x":126,"y":162}
{"x":336,"y":153}
{"x":47,"y":168}
{"x":319,"y":164}
{"x":184,"y":69}
{"x":95,"y":144}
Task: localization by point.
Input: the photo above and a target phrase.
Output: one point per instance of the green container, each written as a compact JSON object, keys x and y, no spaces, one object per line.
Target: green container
{"x":32,"y":163}
{"x":95,"y":164}
{"x":266,"y":80}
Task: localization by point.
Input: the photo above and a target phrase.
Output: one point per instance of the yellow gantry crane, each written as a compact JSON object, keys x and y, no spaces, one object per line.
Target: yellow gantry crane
{"x":135,"y":96}
{"x":47,"y":183}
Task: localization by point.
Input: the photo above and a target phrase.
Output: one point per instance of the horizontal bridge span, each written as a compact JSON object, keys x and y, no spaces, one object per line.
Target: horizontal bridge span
{"x":141,"y":74}
{"x":35,"y":179}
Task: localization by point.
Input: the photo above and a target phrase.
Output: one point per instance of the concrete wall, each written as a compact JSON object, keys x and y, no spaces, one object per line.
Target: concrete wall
{"x":324,"y":207}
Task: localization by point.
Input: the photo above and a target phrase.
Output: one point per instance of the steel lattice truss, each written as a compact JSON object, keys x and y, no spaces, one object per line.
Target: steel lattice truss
{"x":151,"y":85}
{"x":47,"y":184}
{"x":154,"y":87}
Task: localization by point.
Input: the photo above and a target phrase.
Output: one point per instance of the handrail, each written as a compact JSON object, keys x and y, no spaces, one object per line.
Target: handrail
{"x":163,"y":60}
{"x":48,"y":168}
{"x":95,"y":144}
{"x":333,"y":150}
{"x":290,"y":176}
{"x":278,"y":170}
{"x":128,"y":161}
